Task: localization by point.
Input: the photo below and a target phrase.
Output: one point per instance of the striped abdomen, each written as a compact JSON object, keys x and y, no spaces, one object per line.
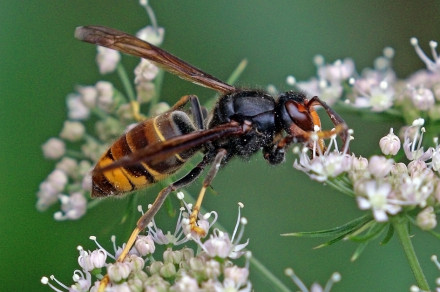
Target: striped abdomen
{"x":129,"y":178}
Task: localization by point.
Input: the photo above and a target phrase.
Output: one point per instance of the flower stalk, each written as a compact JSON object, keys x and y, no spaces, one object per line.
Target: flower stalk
{"x":400,"y":224}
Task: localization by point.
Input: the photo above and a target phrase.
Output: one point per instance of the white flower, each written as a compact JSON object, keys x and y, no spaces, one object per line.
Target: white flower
{"x":422,"y":98}
{"x":67,"y":165}
{"x":105,"y":98}
{"x":380,"y":166}
{"x":89,"y":95}
{"x":72,"y":207}
{"x":145,"y":71}
{"x":107,"y":59}
{"x":338,"y":71}
{"x":118,"y":271}
{"x":236,"y":277}
{"x":381,"y":97}
{"x":54,"y":148}
{"x":152,"y":35}
{"x":144,"y":245}
{"x":435,"y":162}
{"x":416,"y":189}
{"x":89,"y":261}
{"x":50,"y":189}
{"x":321,"y":168}
{"x":83,"y":281}
{"x":145,"y":91}
{"x":426,"y":219}
{"x":77,"y":110}
{"x":373,"y":93}
{"x":186,"y":283}
{"x":72,"y":131}
{"x":377,"y":198}
{"x":58,"y":179}
{"x":412,"y":144}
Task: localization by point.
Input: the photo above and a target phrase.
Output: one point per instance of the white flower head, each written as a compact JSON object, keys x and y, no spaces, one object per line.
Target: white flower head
{"x":220,"y":245}
{"x":77,"y":110}
{"x":145,"y":245}
{"x":73,"y":207}
{"x":119,"y":271}
{"x":325,"y":165}
{"x":152,"y":35}
{"x":377,"y":198}
{"x":54,"y":148}
{"x":107,"y":59}
{"x":145,"y":91}
{"x":422,"y":98}
{"x":185,"y":283}
{"x":72,"y":131}
{"x":89,"y":261}
{"x":105,"y":98}
{"x":89,"y":95}
{"x":145,"y":71}
{"x":338,"y":71}
{"x":380,"y":166}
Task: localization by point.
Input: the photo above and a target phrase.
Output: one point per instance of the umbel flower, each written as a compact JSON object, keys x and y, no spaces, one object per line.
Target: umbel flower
{"x":380,"y":183}
{"x":97,"y":115}
{"x":207,"y":267}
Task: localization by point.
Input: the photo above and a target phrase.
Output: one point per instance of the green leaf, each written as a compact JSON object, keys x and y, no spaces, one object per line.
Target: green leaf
{"x":336,"y":231}
{"x":375,"y":230}
{"x":389,"y":235}
{"x":359,"y":250}
{"x":332,"y":241}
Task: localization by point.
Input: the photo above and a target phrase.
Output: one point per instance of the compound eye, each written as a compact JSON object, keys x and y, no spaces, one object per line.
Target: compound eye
{"x":299,"y":115}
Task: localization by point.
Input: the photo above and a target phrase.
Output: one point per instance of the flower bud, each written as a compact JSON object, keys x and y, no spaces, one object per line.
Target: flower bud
{"x":168,"y":270}
{"x":144,"y":245}
{"x":118,"y":271}
{"x":426,"y":219}
{"x":390,"y":144}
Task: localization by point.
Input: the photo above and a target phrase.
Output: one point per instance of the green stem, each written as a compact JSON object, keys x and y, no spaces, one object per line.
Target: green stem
{"x":277,"y":284}
{"x":125,"y":82}
{"x":400,"y":225}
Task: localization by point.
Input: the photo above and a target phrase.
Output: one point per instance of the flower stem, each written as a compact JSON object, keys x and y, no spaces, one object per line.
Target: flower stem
{"x":400,"y":225}
{"x":126,"y":82}
{"x":277,"y":285}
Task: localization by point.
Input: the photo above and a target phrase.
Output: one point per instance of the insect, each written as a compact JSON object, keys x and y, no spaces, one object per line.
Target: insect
{"x":242,"y":122}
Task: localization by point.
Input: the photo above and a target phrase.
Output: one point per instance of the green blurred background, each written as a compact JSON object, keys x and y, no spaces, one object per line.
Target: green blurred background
{"x":41,"y":63}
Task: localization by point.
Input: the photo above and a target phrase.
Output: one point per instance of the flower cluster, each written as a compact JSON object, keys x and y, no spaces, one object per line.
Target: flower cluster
{"x":97,"y":115}
{"x":378,"y":88}
{"x":209,"y":268}
{"x":382,"y":184}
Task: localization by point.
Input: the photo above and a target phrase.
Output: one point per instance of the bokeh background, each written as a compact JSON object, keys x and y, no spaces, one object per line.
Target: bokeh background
{"x":41,"y":62}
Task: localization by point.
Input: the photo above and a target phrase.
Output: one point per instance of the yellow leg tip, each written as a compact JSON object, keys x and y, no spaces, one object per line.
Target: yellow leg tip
{"x":103,"y":284}
{"x":198,"y":230}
